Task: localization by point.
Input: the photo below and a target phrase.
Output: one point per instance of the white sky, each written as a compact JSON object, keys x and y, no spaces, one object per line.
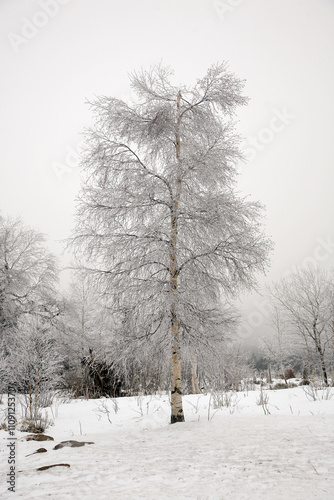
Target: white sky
{"x":83,"y":48}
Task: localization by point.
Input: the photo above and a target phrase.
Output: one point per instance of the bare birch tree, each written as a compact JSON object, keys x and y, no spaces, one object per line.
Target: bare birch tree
{"x":159,"y":222}
{"x":305,"y":301}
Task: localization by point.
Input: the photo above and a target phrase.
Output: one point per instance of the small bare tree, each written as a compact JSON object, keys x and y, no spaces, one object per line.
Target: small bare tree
{"x":166,"y":237}
{"x":304,"y":300}
{"x":33,"y":364}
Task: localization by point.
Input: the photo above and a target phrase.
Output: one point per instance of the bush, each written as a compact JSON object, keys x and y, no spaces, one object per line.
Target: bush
{"x":279,"y":385}
{"x":34,"y":367}
{"x":35,"y":426}
{"x":289,"y":374}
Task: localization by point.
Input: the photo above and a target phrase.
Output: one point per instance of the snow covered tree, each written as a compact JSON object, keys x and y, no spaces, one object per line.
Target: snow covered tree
{"x":305,"y":302}
{"x":280,"y":345}
{"x":28,"y":273}
{"x":33,"y":364}
{"x":166,"y":236}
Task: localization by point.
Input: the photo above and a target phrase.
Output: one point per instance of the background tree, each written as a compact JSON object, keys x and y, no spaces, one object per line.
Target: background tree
{"x":305,"y":301}
{"x":28,"y":274}
{"x":280,"y":345}
{"x":85,"y":326}
{"x":167,"y":238}
{"x":225,"y":369}
{"x":28,"y":277}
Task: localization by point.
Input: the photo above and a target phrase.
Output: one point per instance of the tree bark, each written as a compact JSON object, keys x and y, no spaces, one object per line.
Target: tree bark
{"x":177,"y":414}
{"x":322,"y":361}
{"x":316,"y":337}
{"x":176,"y":388}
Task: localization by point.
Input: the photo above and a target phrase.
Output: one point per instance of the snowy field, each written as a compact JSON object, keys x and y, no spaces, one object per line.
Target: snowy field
{"x":235,"y":452}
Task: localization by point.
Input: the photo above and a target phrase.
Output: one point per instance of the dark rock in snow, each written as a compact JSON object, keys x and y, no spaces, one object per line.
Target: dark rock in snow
{"x":40,"y":450}
{"x":71,"y":444}
{"x":39,"y":437}
{"x":46,"y":467}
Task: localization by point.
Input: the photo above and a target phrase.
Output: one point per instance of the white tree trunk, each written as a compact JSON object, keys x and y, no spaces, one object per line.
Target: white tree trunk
{"x":176,"y":388}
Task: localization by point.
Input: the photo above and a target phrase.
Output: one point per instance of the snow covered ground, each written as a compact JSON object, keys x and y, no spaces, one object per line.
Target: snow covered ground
{"x":236,"y":452}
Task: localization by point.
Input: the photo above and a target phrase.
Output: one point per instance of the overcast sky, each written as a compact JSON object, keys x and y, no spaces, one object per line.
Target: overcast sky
{"x":57,"y":54}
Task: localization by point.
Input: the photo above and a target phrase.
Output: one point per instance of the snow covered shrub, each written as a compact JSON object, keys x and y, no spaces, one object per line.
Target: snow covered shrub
{"x":34,"y":366}
{"x":219,"y":400}
{"x":103,"y":408}
{"x":224,"y":399}
{"x":36,"y":425}
{"x":279,"y":385}
{"x":314,"y":393}
{"x":263,"y":400}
